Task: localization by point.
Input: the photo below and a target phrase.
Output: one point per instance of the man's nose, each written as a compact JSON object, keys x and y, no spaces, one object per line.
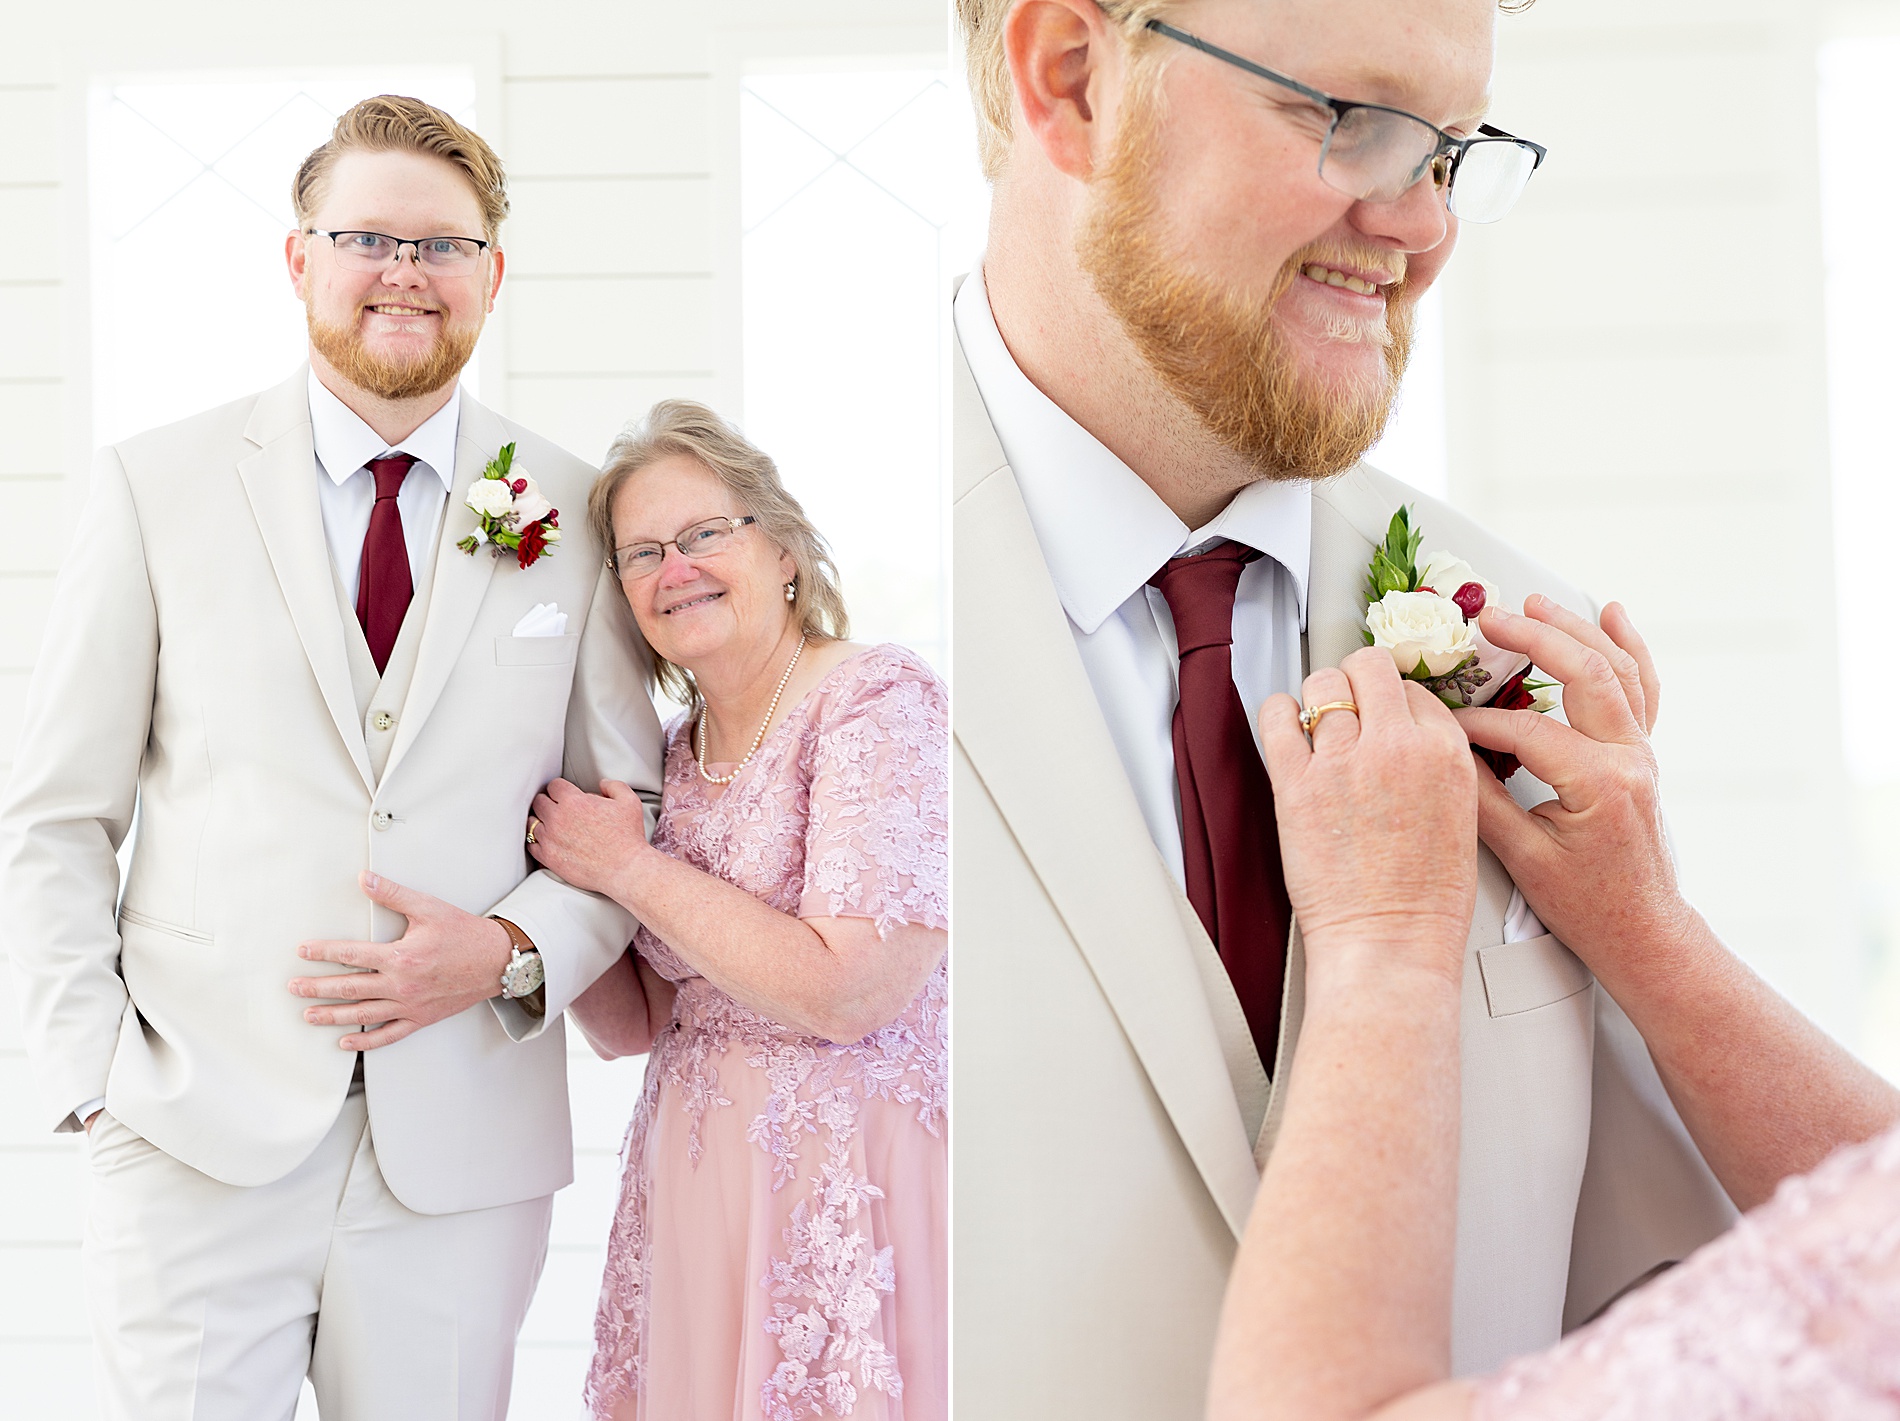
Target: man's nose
{"x":405,"y":273}
{"x":1415,"y":221}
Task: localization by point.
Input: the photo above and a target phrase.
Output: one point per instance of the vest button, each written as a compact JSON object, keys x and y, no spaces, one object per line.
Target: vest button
{"x":382,"y":819}
{"x":383,"y":720}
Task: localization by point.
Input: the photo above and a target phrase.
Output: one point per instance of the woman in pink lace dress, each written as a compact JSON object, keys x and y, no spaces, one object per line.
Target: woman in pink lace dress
{"x":779,"y":1249}
{"x":1340,"y":1304}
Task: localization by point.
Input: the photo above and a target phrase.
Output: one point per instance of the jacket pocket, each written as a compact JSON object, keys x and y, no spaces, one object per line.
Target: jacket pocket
{"x":1523,"y":976}
{"x":537,"y":650}
{"x":159,"y":925}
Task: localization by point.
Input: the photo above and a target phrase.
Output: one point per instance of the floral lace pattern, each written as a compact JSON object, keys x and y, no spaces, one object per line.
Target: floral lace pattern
{"x":1795,"y":1312}
{"x":843,"y":812}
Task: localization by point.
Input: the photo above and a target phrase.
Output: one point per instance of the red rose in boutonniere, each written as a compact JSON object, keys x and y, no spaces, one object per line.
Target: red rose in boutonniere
{"x":512,"y":515}
{"x":1427,"y":617}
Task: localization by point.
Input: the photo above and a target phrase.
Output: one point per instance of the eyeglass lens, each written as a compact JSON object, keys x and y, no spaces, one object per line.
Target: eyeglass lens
{"x":1375,"y":155}
{"x":1489,"y":178}
{"x":639,"y":560}
{"x":372,"y":251}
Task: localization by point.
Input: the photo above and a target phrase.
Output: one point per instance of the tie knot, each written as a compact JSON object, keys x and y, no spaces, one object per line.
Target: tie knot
{"x":389,"y":474}
{"x":1200,"y":594}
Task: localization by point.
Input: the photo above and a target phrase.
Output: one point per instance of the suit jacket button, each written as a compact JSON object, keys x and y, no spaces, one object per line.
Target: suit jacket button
{"x":382,"y":818}
{"x":383,"y":720}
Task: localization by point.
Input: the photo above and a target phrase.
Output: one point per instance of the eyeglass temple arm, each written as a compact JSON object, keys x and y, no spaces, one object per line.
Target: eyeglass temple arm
{"x":1318,"y":96}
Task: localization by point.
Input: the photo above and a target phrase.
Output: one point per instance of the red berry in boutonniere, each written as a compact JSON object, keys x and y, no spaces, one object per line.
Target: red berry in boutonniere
{"x":512,"y":515}
{"x":1470,"y":600}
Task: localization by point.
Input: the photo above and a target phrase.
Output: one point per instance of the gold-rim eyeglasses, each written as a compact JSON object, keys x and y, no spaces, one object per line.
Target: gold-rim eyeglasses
{"x":703,"y":539}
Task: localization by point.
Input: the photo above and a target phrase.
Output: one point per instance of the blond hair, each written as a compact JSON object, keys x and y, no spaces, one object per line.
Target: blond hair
{"x":689,"y":428}
{"x":981,"y":22}
{"x":390,"y":123}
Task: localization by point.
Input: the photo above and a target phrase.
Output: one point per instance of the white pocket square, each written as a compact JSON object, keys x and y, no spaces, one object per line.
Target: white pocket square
{"x":543,"y":619}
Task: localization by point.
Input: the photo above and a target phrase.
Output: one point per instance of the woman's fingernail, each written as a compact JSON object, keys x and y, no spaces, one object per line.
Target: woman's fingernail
{"x":370,"y":880}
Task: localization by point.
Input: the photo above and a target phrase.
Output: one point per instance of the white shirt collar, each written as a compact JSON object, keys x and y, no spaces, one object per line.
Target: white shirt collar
{"x":344,"y":443}
{"x":1103,"y":531}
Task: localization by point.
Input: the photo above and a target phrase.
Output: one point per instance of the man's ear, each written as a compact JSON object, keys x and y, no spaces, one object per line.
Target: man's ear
{"x":296,"y":253}
{"x":497,"y":261}
{"x":1059,"y":52}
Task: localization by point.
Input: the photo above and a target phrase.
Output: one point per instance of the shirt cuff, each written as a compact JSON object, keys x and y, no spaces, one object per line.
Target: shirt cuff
{"x":81,"y":1112}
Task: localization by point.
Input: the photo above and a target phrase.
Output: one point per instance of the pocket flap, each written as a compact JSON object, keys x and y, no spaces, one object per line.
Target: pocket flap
{"x":1522,"y":976}
{"x":537,"y":650}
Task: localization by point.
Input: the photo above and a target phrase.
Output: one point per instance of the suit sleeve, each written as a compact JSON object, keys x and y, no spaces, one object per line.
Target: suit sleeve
{"x":613,"y":733}
{"x":1648,"y":1201}
{"x":69,"y":804}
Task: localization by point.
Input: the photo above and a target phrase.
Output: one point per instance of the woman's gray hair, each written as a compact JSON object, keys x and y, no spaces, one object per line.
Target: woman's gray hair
{"x":689,"y":428}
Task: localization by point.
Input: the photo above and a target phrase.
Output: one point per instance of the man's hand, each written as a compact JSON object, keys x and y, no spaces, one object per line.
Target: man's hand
{"x":87,"y":1124}
{"x":445,"y":962}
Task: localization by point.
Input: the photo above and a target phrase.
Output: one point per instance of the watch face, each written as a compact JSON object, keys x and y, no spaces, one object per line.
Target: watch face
{"x":523,"y":975}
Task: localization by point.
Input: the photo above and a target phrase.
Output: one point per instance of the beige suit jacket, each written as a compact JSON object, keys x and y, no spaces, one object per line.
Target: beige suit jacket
{"x":1112,"y":1113}
{"x":195,"y":666}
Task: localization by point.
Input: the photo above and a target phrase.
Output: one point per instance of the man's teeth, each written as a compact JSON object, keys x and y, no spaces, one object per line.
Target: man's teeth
{"x":401,"y":310}
{"x":1326,"y":276}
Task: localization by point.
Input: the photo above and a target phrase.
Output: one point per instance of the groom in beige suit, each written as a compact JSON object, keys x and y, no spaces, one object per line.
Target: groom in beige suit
{"x":1187,"y":328}
{"x":327,"y":722}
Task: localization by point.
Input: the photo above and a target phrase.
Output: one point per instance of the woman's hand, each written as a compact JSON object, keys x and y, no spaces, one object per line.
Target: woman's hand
{"x":1378,"y":827}
{"x":588,"y":839}
{"x":1593,"y":863}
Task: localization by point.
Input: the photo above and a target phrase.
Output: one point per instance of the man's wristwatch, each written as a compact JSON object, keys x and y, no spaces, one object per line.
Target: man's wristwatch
{"x":523,"y":975}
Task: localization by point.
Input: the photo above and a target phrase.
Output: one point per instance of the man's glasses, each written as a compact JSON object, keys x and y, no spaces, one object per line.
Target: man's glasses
{"x":638,"y":560}
{"x":1374,"y":153}
{"x":375,"y":251}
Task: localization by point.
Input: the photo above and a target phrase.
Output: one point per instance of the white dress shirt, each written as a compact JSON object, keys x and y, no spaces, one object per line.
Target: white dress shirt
{"x":346,"y":492}
{"x":346,"y":489}
{"x":1104,"y":533}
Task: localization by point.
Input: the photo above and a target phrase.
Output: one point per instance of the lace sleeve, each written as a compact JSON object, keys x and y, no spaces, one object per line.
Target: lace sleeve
{"x":1794,"y":1312}
{"x":878,"y":841}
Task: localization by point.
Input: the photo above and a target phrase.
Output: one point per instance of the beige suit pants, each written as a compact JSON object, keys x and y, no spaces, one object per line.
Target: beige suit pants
{"x":211,"y":1302}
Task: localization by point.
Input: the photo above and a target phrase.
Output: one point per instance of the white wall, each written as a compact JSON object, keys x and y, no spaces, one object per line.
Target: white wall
{"x":618,"y":123}
{"x":1636,"y":390}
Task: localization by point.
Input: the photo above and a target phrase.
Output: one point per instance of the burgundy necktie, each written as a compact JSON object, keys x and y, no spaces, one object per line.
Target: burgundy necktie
{"x":383,"y":585}
{"x":1228,"y":836}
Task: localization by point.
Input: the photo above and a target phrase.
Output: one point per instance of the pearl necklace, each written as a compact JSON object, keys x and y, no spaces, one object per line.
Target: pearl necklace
{"x":699,"y":747}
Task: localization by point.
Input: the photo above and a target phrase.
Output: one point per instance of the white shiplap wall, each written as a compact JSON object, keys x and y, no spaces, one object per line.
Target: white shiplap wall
{"x":1636,"y":391}
{"x":618,"y":125}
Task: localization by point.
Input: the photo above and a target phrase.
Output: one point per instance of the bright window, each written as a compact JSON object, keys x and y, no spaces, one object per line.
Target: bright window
{"x":860,"y":206}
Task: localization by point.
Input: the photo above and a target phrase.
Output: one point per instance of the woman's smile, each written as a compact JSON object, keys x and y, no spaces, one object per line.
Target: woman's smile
{"x":704,"y":599}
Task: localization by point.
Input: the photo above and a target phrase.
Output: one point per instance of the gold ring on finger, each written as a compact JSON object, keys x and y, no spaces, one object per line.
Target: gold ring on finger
{"x":533,"y":824}
{"x":1311,"y":717}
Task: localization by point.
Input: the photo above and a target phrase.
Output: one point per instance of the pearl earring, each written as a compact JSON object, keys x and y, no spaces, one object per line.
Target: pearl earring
{"x":791,"y":592}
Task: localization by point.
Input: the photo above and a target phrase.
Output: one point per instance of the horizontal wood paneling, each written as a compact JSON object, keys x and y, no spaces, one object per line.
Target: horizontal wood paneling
{"x":576,"y":227}
{"x":587,"y":128}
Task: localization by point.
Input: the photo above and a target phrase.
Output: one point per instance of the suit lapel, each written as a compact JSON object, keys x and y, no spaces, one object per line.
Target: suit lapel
{"x":280,"y":480}
{"x":1349,"y":513}
{"x":460,"y":582}
{"x":1028,"y":721}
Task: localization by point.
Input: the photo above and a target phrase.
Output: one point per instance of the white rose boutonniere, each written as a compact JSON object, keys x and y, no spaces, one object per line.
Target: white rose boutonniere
{"x":512,"y":514}
{"x":1427,"y":617}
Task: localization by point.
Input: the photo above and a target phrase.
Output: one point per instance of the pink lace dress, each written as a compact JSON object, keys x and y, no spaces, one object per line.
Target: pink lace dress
{"x":1793,"y":1315}
{"x":780,"y":1247}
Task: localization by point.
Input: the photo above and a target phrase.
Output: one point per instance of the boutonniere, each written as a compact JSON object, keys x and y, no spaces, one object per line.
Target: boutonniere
{"x":512,"y":515}
{"x":1426,"y":615}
